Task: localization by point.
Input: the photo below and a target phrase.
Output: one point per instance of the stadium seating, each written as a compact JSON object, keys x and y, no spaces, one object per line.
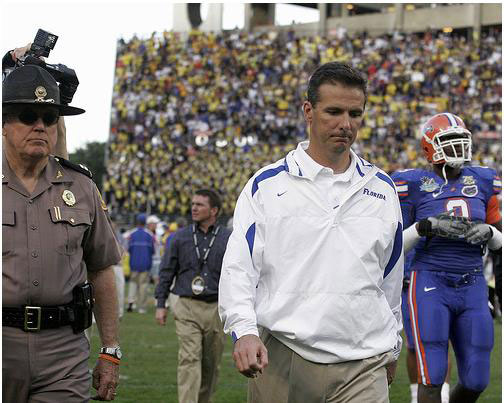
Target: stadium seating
{"x":208,"y":110}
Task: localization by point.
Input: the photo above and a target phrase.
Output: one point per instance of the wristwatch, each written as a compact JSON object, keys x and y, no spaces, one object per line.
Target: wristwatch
{"x":112,"y":351}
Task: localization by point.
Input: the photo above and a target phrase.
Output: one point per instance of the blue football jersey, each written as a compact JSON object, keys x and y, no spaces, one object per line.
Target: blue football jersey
{"x":408,"y":260}
{"x":422,"y":195}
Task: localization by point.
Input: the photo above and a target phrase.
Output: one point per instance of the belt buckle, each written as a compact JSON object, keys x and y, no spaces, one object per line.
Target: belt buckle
{"x":32,"y":312}
{"x":466,"y":278}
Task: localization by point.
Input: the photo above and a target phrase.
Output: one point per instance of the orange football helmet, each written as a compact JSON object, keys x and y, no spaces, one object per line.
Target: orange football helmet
{"x":446,"y":140}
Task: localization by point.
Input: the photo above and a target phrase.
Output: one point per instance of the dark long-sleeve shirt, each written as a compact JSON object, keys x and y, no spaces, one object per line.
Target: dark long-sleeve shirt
{"x":181,"y":262}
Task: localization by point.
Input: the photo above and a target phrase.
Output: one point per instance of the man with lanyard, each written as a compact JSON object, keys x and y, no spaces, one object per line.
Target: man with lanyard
{"x":194,"y":257}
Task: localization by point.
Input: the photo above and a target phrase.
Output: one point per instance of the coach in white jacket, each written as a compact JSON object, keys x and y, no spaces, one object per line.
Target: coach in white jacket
{"x":311,"y":279}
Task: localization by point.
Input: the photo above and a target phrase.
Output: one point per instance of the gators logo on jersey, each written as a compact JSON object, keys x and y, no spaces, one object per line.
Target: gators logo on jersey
{"x":470,"y":191}
{"x":428,"y":184}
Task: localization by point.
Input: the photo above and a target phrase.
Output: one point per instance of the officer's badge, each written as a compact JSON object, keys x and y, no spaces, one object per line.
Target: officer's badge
{"x":59,"y":174}
{"x":468,"y":180}
{"x":428,"y":184}
{"x":470,"y":191}
{"x":68,"y":197}
{"x":40,"y":93}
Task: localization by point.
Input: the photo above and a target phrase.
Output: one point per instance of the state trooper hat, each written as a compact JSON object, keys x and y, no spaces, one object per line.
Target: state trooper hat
{"x":32,"y":85}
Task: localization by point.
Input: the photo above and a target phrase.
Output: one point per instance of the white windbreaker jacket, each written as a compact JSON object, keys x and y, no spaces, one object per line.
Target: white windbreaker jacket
{"x":325,"y":281}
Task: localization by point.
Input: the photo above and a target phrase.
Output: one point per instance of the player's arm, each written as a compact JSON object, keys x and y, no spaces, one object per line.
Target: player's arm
{"x":238,"y":281}
{"x":410,"y":234}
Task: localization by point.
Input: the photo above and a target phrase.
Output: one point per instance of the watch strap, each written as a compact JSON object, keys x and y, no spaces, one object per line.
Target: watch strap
{"x":111,"y":351}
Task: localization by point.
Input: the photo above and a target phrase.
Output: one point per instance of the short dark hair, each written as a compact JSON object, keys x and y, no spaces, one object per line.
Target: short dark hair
{"x":213,"y":197}
{"x":335,"y":72}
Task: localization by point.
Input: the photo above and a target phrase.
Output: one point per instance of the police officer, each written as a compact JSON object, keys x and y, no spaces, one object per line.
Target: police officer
{"x":57,"y":244}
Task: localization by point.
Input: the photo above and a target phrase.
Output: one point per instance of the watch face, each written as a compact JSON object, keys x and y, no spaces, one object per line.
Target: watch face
{"x":113,"y":351}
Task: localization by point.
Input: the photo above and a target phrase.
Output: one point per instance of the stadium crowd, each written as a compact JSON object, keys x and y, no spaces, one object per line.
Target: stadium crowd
{"x":208,"y":110}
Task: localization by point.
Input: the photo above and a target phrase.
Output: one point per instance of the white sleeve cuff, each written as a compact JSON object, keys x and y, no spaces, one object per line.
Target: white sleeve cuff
{"x":236,"y":334}
{"x":495,"y":241}
{"x":410,"y":238}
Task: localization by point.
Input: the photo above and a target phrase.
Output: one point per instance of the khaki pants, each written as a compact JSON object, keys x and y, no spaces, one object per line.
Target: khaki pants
{"x":138,"y":280}
{"x":291,"y":379}
{"x":201,"y":342}
{"x":45,"y":367}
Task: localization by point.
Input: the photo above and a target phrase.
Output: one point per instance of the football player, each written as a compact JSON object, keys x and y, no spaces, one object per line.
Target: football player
{"x":450,"y":215}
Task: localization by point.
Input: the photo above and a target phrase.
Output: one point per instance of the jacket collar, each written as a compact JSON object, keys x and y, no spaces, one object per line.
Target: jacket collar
{"x":299,"y":163}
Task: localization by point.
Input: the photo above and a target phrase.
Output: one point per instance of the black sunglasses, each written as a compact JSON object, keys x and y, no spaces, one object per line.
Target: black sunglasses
{"x":30,"y":116}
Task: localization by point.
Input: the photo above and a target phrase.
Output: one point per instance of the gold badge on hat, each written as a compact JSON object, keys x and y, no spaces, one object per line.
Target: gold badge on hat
{"x":40,"y":93}
{"x":68,"y":197}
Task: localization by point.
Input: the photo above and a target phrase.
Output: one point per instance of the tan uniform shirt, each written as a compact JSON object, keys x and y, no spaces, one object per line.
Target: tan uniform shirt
{"x":48,"y":244}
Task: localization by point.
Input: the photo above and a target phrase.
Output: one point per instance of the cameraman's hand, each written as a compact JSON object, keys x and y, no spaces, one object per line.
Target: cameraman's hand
{"x":20,"y":52}
{"x":61,"y":147}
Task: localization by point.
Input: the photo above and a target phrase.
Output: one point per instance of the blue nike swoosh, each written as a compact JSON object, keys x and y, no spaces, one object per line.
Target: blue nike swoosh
{"x":280,"y":194}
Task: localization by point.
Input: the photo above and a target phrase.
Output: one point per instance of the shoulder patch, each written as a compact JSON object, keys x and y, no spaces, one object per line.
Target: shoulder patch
{"x":76,"y":167}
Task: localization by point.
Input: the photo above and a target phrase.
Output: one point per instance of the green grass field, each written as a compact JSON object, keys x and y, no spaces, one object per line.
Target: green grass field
{"x":149,"y":366}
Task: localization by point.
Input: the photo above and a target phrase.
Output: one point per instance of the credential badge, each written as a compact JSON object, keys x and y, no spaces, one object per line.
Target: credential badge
{"x":198,"y":285}
{"x":428,"y":184}
{"x":68,"y":197}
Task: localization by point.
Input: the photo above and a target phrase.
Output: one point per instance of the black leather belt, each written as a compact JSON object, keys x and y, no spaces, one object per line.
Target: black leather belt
{"x":205,"y":298}
{"x":35,"y":318}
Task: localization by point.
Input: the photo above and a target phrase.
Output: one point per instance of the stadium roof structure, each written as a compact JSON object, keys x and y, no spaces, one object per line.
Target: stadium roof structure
{"x":375,"y":18}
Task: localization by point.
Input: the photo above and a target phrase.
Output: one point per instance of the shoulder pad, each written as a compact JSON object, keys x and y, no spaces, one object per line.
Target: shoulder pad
{"x":76,"y":167}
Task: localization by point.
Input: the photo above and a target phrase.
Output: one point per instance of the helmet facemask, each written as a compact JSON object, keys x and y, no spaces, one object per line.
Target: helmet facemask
{"x":453,"y":147}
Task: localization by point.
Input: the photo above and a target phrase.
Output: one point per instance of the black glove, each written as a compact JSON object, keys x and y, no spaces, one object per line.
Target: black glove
{"x":444,"y":225}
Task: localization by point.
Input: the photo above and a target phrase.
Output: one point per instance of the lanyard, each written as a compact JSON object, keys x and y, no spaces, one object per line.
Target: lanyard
{"x":195,"y":238}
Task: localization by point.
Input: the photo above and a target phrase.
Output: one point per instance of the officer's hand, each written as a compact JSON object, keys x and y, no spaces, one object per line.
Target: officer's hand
{"x":479,"y":233}
{"x":20,"y":52}
{"x":391,"y":371}
{"x":250,"y":355}
{"x":161,"y":316}
{"x":105,"y":379}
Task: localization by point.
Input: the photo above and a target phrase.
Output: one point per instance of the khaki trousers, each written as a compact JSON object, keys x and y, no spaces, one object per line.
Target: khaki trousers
{"x":289,"y":378}
{"x":49,"y":366}
{"x":201,"y":342}
{"x":138,"y":280}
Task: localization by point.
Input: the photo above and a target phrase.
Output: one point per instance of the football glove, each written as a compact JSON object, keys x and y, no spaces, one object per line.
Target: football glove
{"x":479,"y":233}
{"x":444,"y":225}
